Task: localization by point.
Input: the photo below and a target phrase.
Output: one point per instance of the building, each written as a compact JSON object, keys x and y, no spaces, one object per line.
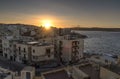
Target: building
{"x":42,"y":52}
{"x":31,"y":52}
{"x":7,"y":47}
{"x":28,"y":73}
{"x":70,"y":47}
{"x":22,"y":52}
{"x":82,"y":71}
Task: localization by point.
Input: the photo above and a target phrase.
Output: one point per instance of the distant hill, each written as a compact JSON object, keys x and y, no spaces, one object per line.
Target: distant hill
{"x":96,"y":29}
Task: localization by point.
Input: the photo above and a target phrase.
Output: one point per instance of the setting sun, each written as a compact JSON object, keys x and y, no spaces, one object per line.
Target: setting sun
{"x":47,"y":23}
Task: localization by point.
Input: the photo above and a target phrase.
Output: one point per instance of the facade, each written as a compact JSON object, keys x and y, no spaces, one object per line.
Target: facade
{"x":42,"y":52}
{"x":8,"y":47}
{"x":25,"y":52}
{"x":34,"y":52}
{"x":22,"y":52}
{"x":70,"y":47}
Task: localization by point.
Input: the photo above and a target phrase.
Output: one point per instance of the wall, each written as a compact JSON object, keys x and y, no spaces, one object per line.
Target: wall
{"x":21,"y":54}
{"x":40,"y":53}
{"x":78,"y":74}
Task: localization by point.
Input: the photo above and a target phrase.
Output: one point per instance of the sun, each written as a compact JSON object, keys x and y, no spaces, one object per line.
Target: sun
{"x":47,"y":23}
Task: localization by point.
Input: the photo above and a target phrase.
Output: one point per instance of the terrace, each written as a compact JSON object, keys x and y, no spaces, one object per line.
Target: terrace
{"x":61,"y":74}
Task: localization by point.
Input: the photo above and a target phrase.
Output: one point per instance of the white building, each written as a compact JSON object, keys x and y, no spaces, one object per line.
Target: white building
{"x":42,"y":52}
{"x":70,"y":47}
{"x":8,"y":47}
{"x":34,"y":52}
{"x":22,"y":52}
{"x":28,"y":73}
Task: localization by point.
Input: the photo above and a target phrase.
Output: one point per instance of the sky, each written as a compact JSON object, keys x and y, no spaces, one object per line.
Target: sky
{"x":62,"y":13}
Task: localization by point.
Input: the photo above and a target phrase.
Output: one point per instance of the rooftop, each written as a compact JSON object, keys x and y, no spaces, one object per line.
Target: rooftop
{"x":62,"y":74}
{"x":35,"y":43}
{"x":73,"y":36}
{"x":90,"y":71}
{"x":113,"y":68}
{"x":28,"y":68}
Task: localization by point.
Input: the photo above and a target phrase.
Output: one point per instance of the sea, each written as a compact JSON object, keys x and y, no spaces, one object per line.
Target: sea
{"x":101,"y":42}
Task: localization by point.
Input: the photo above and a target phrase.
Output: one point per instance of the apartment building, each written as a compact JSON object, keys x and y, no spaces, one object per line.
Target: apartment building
{"x":42,"y":52}
{"x":70,"y":47}
{"x":23,"y":52}
{"x":34,"y":52}
{"x":8,"y":47}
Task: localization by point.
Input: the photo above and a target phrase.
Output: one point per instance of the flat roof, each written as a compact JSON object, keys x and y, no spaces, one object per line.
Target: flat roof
{"x":28,"y":68}
{"x":62,"y":74}
{"x":90,"y":71}
{"x":74,"y":36}
{"x":33,"y":42}
{"x":113,"y":68}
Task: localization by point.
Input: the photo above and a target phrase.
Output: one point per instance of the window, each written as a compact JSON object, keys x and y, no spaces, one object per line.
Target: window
{"x":24,"y":50}
{"x":10,"y":45}
{"x":14,"y":45}
{"x":35,"y":57}
{"x":24,"y":56}
{"x":33,"y":50}
{"x":19,"y":48}
{"x":60,"y":42}
{"x":5,"y":55}
{"x":19,"y":53}
{"x":48,"y":52}
{"x":78,"y":42}
{"x":75,"y":43}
